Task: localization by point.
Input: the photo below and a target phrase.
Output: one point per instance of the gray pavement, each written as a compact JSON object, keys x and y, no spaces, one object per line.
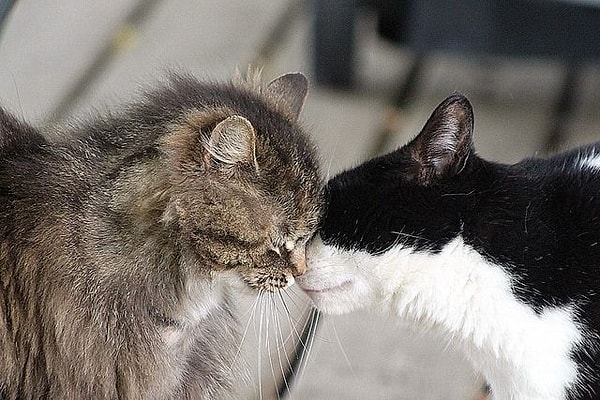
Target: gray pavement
{"x":47,"y":46}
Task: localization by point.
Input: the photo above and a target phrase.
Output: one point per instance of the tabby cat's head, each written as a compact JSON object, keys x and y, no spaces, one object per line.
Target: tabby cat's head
{"x":247,"y":193}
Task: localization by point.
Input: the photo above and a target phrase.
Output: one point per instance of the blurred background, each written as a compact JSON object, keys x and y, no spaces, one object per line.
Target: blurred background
{"x":377,"y":69}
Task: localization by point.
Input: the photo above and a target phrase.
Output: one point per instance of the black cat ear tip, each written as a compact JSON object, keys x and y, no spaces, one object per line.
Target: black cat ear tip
{"x":457,"y":94}
{"x":456,"y":106}
{"x":458,"y":98}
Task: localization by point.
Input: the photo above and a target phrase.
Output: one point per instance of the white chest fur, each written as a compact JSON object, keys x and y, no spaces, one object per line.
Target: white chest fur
{"x":466,"y":299}
{"x":198,"y":299}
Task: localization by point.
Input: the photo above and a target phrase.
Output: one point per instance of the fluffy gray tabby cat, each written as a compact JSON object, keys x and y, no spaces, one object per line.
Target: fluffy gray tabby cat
{"x":118,"y":244}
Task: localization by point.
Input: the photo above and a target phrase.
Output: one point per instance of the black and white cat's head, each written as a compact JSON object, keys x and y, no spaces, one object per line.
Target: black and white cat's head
{"x":393,"y":207}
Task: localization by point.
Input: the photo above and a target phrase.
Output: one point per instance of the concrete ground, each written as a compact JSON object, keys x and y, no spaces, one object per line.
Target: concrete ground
{"x":115,"y":46}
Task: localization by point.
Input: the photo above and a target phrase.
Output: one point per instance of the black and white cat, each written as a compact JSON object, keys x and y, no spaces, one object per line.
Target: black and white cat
{"x":503,"y":261}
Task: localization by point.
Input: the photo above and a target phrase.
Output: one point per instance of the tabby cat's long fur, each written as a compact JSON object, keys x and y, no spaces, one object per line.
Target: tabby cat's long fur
{"x":120,"y":242}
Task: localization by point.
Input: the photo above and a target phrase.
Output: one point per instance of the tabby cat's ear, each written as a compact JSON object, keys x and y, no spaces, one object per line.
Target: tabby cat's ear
{"x":445,"y":142}
{"x":232,"y":142}
{"x":289,"y":92}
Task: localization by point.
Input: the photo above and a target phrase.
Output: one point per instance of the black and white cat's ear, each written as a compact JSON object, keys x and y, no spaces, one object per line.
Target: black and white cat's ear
{"x":445,"y":142}
{"x":289,"y":92}
{"x":231,"y":143}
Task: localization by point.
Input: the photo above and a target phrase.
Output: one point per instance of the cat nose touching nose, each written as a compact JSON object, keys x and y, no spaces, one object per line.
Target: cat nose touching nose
{"x":298,"y":261}
{"x":299,"y":268}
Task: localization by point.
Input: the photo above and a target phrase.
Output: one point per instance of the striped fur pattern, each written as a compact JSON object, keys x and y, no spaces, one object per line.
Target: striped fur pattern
{"x":121,"y":243}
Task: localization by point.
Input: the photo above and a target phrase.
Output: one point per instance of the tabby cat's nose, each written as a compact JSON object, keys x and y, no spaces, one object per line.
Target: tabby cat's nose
{"x":298,"y":261}
{"x":299,"y":267}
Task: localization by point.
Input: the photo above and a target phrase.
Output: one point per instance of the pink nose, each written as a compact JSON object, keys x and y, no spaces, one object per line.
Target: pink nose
{"x":298,"y":260}
{"x":299,"y":267}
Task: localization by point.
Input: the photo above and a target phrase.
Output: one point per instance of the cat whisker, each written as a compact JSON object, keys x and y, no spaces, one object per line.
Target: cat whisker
{"x":344,"y":353}
{"x":269,"y":317}
{"x":328,"y":172}
{"x":313,"y":323}
{"x":260,"y":350}
{"x":252,"y":312}
{"x":292,"y":323}
{"x":407,"y":235}
{"x":285,"y":306}
{"x":331,"y":158}
{"x":269,"y":325}
{"x":280,"y":345}
{"x":279,"y":327}
{"x":252,"y":309}
{"x":398,"y":241}
{"x":294,"y":295}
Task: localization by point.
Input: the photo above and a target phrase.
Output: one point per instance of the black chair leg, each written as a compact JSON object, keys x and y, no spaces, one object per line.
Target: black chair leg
{"x":334,"y":24}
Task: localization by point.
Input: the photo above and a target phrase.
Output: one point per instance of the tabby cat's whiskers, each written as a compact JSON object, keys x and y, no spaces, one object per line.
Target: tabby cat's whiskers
{"x":344,"y":353}
{"x":293,"y":331}
{"x":279,"y":341}
{"x":252,"y":313}
{"x":260,"y":335}
{"x":313,"y":319}
{"x":273,"y":338}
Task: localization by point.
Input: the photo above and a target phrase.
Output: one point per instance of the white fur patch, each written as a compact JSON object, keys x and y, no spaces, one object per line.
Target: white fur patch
{"x":590,"y":161}
{"x":465,"y":298}
{"x":199,"y":298}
